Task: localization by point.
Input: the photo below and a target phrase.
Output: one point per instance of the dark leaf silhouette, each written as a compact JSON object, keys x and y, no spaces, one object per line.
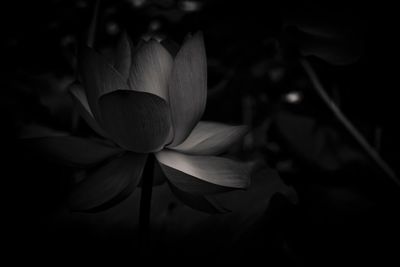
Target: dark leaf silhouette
{"x":316,"y":145}
{"x":333,"y":32}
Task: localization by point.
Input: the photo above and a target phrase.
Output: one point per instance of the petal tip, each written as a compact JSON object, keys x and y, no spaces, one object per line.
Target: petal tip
{"x":197,"y":38}
{"x":199,"y":35}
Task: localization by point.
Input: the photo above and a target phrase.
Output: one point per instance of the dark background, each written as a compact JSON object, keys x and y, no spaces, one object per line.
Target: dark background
{"x":329,"y":205}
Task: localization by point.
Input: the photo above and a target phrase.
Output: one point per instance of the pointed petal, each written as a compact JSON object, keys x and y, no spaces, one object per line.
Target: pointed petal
{"x":198,"y":202}
{"x":98,"y":78}
{"x":72,"y":150}
{"x":139,"y":122}
{"x":211,"y":138}
{"x":123,"y":57}
{"x":80,"y":99}
{"x":151,"y":69}
{"x":120,"y":176}
{"x":214,"y":174}
{"x":188,"y":87}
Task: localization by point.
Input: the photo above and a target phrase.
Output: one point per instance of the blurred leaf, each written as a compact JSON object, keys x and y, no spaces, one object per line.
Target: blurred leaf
{"x":332,"y":32}
{"x":317,"y":145}
{"x":184,"y":228}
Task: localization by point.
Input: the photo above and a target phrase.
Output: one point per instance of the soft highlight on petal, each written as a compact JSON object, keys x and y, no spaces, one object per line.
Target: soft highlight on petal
{"x":81,"y":102}
{"x":137,"y":121}
{"x":98,"y":78}
{"x":191,"y":184}
{"x":151,"y":69}
{"x":188,"y":87}
{"x":215,"y":170}
{"x":211,"y":138}
{"x":120,"y":176}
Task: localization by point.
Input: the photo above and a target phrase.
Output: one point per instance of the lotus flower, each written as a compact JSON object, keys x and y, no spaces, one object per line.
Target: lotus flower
{"x":149,"y":101}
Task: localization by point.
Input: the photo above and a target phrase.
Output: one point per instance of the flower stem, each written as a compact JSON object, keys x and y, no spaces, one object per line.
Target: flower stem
{"x":91,"y":35}
{"x":347,"y":124}
{"x":145,"y":202}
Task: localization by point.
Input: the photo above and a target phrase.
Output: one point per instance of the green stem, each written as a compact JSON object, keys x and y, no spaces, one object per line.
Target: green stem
{"x":347,"y":124}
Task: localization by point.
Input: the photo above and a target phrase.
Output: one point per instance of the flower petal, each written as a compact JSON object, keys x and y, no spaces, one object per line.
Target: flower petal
{"x":215,"y":174}
{"x":198,"y":202}
{"x":151,"y":69}
{"x":123,"y":57}
{"x":191,"y":184}
{"x":211,"y":138}
{"x":137,"y":121}
{"x":106,"y":184}
{"x":98,"y":78}
{"x":80,"y":99}
{"x":188,"y":87}
{"x":72,"y":150}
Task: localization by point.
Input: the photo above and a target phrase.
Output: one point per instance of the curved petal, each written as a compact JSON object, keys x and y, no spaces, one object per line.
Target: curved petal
{"x":80,"y":99}
{"x":98,"y":78}
{"x":198,"y":202}
{"x":120,"y":176}
{"x":137,"y":121}
{"x":72,"y":150}
{"x":123,"y":57}
{"x":214,"y":174}
{"x":188,"y":87}
{"x":191,"y":184}
{"x":151,"y":69}
{"x":211,"y":138}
